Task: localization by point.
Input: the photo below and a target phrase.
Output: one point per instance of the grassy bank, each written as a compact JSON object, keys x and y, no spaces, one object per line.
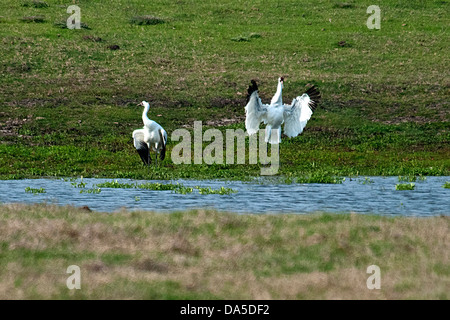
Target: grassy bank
{"x":68,"y":97}
{"x":212,"y":255}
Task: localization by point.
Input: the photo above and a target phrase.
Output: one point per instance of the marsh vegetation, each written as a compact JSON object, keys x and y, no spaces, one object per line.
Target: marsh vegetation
{"x":68,"y":103}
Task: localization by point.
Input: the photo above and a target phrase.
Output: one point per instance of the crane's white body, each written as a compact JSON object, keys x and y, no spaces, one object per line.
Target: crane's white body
{"x":152,"y":137}
{"x":294,"y":116}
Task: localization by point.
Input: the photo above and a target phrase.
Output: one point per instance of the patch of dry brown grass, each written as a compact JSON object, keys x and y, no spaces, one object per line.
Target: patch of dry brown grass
{"x":215,"y":254}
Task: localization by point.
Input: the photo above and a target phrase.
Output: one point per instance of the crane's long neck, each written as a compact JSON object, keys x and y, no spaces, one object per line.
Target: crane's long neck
{"x":145,"y":119}
{"x":277,"y":99}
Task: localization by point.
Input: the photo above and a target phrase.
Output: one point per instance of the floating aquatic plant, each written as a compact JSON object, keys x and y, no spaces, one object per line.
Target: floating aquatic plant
{"x":183,"y":190}
{"x":116,"y":184}
{"x":156,"y":186}
{"x":93,"y":190}
{"x":366,"y":180}
{"x":405,"y":186}
{"x":318,"y":178}
{"x":80,"y":184}
{"x":221,"y":191}
{"x":69,"y":179}
{"x":407,"y":178}
{"x":34,"y":190}
{"x":178,"y":188}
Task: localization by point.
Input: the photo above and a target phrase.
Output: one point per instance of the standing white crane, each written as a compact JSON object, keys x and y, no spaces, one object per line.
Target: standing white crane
{"x":152,"y":137}
{"x":294,"y":116}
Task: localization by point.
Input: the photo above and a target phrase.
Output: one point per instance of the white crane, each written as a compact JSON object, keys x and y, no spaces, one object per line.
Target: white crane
{"x":294,"y":116}
{"x":152,"y":137}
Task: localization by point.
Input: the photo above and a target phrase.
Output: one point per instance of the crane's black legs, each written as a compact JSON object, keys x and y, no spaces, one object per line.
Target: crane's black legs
{"x":147,"y":158}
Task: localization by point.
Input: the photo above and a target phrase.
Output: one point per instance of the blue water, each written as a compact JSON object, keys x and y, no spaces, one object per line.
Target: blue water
{"x":379,"y":196}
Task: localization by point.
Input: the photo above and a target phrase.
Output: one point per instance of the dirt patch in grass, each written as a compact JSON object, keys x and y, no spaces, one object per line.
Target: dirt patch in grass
{"x":92,"y":38}
{"x":35,"y":19}
{"x":331,"y":132}
{"x":28,"y":103}
{"x":35,"y":4}
{"x":220,"y":102}
{"x":113,"y":47}
{"x":10,"y":127}
{"x":398,"y":113}
{"x":398,"y":120}
{"x":146,"y":20}
{"x":225,"y":121}
{"x":151,"y":265}
{"x":19,"y":68}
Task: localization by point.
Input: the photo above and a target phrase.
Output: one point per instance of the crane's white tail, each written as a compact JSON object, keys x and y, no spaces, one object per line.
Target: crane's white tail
{"x":273,"y":136}
{"x":314,"y":96}
{"x":162,"y":153}
{"x":141,"y":146}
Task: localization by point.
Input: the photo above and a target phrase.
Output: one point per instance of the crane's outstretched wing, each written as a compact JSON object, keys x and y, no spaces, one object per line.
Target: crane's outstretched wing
{"x":141,"y":146}
{"x":299,"y":112}
{"x":255,"y":111}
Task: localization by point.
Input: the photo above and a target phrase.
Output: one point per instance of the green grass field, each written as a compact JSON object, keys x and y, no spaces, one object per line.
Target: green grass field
{"x":68,"y":101}
{"x":212,"y":255}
